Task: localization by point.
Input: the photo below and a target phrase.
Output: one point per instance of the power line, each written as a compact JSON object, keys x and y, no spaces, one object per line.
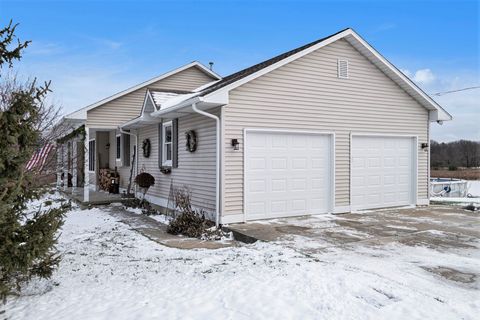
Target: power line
{"x":452,"y":91}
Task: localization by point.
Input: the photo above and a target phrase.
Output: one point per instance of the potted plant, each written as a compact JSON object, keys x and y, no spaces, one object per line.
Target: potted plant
{"x":144,"y":180}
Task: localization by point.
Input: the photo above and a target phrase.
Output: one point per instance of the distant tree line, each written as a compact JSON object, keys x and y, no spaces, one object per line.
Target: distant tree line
{"x":461,"y":153}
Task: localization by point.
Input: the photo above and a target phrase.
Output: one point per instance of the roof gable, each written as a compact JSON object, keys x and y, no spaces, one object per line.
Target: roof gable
{"x":82,"y":113}
{"x":237,"y":79}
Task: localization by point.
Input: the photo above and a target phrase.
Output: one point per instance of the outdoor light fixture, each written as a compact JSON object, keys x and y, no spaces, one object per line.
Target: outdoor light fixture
{"x":107,"y":146}
{"x":424,"y":145}
{"x":235,"y":144}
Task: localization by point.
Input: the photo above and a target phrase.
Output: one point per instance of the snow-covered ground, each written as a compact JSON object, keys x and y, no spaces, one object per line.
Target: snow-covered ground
{"x":111,"y":272}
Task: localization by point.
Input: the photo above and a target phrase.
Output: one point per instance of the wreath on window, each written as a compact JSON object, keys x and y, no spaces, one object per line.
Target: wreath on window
{"x":191,"y":138}
{"x":146,"y":148}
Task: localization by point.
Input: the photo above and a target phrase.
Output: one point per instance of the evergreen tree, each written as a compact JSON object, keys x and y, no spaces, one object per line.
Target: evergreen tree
{"x":27,"y":241}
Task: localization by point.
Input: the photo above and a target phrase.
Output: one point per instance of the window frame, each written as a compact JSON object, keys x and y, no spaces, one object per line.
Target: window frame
{"x":165,"y":161}
{"x":92,"y":164}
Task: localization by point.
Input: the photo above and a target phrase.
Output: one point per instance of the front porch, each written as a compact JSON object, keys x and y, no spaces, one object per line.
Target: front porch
{"x":94,"y":197}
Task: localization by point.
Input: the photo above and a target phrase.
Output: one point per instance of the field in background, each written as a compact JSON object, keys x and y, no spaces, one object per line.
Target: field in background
{"x":460,"y":173}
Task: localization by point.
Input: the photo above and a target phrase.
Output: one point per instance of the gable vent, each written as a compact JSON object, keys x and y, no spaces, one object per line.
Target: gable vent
{"x":343,"y":68}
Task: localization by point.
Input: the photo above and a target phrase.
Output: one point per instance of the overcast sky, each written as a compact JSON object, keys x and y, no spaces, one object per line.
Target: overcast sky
{"x":93,"y":49}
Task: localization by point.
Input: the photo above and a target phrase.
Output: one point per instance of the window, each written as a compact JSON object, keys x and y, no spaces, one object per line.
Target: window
{"x":167,"y":144}
{"x":119,"y":145}
{"x":91,"y":155}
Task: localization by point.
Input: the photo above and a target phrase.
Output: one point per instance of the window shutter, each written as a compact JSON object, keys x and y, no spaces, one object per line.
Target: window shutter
{"x":175,"y":143}
{"x":160,"y":145}
{"x":126,"y":150}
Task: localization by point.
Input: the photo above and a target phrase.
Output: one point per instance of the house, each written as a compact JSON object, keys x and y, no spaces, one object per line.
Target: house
{"x":329,"y":127}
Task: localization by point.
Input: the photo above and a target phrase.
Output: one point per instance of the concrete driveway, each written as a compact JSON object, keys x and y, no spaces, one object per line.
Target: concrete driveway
{"x":439,"y":228}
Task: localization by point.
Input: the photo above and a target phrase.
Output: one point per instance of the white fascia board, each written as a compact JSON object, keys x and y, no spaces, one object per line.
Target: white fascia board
{"x":147,"y":83}
{"x":437,"y":115}
{"x":218,"y":97}
{"x":420,"y":96}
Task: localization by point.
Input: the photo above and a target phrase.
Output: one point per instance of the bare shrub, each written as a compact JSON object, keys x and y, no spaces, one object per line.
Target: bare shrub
{"x":189,"y":222}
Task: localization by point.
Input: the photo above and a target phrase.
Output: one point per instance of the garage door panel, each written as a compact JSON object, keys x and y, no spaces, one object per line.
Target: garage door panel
{"x":382,"y":171}
{"x":299,"y":163}
{"x":257,"y":164}
{"x":296,"y":169}
{"x":279,"y":163}
{"x":279,"y":207}
{"x":279,"y":141}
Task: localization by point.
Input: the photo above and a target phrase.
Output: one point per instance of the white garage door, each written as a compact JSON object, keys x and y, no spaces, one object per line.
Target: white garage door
{"x":287,"y":174}
{"x":382,"y":171}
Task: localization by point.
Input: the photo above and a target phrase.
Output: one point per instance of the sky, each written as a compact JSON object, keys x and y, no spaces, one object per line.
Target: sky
{"x":93,"y":49}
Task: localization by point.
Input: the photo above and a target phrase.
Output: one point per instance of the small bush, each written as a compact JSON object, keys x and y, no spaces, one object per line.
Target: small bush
{"x":452,"y":168}
{"x":48,"y":203}
{"x":133,"y":203}
{"x":189,"y":222}
{"x":143,"y":204}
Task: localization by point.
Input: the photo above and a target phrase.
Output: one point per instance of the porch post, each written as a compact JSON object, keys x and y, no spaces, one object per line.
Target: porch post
{"x":59,"y":151}
{"x":86,"y":186}
{"x":65,"y":167}
{"x":74,"y":164}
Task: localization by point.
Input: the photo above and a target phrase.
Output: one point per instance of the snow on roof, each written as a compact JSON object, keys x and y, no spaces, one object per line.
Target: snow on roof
{"x":173,"y":101}
{"x":166,"y":99}
{"x":160,"y":97}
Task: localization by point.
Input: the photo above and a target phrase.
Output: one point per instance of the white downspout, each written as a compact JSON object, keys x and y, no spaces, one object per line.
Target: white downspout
{"x":136,"y":155}
{"x":217,"y":161}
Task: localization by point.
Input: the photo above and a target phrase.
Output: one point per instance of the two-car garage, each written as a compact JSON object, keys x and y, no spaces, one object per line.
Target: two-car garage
{"x":292,"y":173}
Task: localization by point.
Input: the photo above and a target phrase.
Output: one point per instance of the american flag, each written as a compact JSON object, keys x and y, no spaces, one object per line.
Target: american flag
{"x":39,"y":157}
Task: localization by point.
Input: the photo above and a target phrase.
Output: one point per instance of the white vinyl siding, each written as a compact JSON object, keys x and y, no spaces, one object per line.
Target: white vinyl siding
{"x":196,"y":170}
{"x":307,"y":94}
